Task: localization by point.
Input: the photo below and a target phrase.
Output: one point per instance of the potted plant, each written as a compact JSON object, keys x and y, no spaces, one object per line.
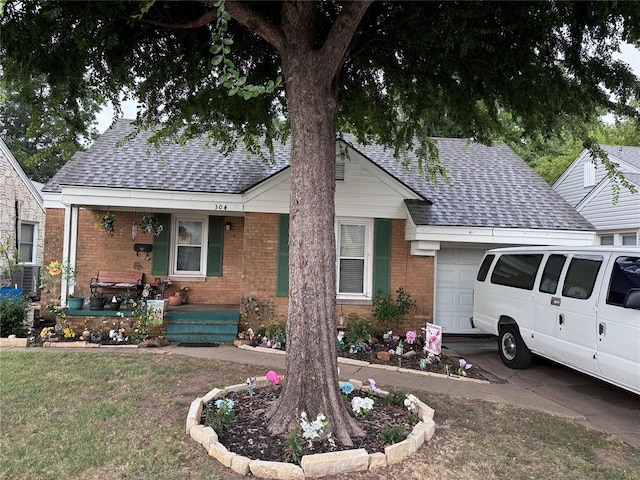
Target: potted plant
{"x":96,"y":301}
{"x":75,"y":303}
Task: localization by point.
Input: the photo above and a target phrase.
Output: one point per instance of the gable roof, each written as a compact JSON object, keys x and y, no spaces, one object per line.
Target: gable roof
{"x":33,"y":190}
{"x":193,"y":167}
{"x":489,"y":186}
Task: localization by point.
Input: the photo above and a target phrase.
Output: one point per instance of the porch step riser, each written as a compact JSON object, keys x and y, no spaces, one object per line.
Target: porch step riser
{"x":201,"y":330}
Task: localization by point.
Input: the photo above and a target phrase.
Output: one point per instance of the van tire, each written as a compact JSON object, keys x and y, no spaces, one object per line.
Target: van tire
{"x":513,"y":352}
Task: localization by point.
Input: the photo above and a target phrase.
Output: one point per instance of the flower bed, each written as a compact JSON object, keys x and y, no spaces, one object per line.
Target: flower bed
{"x":319,"y":463}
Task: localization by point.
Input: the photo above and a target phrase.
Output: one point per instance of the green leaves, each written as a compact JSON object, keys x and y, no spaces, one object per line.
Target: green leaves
{"x":231,"y":78}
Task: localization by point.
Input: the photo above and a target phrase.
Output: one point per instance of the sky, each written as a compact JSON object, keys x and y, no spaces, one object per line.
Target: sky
{"x":628,"y":54}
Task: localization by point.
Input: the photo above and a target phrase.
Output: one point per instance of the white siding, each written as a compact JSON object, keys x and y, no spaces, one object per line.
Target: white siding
{"x":366,"y":192}
{"x":571,"y":185}
{"x":604,"y":215}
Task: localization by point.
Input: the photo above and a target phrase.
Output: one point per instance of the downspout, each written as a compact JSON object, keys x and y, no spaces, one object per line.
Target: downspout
{"x":17,"y":222}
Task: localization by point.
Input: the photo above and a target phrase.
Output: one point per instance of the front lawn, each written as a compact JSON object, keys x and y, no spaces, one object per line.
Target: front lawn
{"x":114,"y":415}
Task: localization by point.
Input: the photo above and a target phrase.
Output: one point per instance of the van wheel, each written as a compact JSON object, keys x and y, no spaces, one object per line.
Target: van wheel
{"x":513,"y":352}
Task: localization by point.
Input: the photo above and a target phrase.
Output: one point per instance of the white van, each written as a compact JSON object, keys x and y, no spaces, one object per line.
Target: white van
{"x":579,"y":306}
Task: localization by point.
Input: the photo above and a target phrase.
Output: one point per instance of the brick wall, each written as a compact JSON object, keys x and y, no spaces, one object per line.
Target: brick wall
{"x":249,"y":267}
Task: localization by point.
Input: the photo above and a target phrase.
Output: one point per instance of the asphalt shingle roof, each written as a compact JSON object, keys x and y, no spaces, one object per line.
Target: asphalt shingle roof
{"x":488,"y":187}
{"x":134,"y":164}
{"x":631,"y":155}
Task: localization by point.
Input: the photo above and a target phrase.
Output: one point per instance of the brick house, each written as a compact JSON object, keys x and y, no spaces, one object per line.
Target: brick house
{"x":225,"y":221}
{"x":22,"y":217}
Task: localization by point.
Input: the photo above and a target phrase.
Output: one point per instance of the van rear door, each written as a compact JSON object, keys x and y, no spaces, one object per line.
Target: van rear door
{"x":576,"y":315}
{"x":618,"y":327}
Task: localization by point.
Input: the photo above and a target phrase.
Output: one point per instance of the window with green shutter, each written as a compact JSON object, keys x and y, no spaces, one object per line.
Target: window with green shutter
{"x":282,"y":274}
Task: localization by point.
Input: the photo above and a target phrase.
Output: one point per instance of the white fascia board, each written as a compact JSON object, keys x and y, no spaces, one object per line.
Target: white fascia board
{"x":502,"y":236}
{"x":382,"y":175}
{"x":150,"y":199}
{"x":52,"y":200}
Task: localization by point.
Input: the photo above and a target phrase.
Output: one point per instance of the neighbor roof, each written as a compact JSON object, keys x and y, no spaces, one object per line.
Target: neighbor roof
{"x":487,"y":187}
{"x":631,"y":155}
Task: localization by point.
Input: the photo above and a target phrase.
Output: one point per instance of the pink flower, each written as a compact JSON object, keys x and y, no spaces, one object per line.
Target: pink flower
{"x":274,"y":378}
{"x":411,"y":336}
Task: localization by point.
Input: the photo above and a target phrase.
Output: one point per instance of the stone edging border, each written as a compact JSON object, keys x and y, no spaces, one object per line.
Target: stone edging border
{"x":349,"y":361}
{"x":311,"y":466}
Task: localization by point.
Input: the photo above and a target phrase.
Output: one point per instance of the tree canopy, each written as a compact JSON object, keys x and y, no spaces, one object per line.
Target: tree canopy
{"x":395,"y":73}
{"x":44,"y":134}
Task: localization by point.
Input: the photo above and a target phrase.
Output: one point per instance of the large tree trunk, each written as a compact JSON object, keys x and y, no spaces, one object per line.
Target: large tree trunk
{"x":311,"y":377}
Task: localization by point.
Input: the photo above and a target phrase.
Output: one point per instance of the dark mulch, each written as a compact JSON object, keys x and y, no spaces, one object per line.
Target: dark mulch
{"x":249,"y":436}
{"x":447,"y":359}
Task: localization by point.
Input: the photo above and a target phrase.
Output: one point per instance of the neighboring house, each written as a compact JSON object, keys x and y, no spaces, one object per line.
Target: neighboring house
{"x":22,"y":218}
{"x":225,"y":221}
{"x":586,"y":186}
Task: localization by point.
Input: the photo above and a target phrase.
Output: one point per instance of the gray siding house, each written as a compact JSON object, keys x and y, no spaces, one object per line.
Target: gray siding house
{"x":586,"y":186}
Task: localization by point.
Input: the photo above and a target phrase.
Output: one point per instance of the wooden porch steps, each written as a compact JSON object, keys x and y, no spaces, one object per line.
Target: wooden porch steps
{"x":202,"y":327}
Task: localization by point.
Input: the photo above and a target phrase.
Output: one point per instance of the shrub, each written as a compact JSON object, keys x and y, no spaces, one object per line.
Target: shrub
{"x":389,"y":311}
{"x":357,"y":329}
{"x":13,"y":312}
{"x":277,"y":332}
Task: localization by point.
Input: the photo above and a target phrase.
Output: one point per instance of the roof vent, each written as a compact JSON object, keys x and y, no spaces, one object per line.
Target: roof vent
{"x":339,"y":172}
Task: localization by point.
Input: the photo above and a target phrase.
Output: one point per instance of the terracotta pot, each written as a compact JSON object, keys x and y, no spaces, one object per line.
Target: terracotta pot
{"x":175,"y":300}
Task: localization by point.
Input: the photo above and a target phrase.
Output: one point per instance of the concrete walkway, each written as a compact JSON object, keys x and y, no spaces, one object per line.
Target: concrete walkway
{"x":534,"y":388}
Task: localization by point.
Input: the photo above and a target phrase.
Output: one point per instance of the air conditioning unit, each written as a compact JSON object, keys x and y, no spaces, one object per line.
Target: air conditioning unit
{"x":27,"y":277}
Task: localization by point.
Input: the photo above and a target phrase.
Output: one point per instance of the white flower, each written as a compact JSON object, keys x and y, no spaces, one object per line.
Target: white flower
{"x":411,"y":402}
{"x":361,"y":405}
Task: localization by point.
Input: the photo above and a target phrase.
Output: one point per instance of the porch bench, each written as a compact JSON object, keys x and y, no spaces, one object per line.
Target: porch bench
{"x":106,"y":280}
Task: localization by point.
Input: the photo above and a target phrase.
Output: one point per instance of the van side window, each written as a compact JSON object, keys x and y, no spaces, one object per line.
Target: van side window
{"x":624,"y":276}
{"x":518,"y":271}
{"x":484,"y":268}
{"x":581,"y":276}
{"x":551,"y":273}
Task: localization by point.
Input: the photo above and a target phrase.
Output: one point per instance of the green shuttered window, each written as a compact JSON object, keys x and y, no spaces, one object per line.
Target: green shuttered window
{"x":351,"y":257}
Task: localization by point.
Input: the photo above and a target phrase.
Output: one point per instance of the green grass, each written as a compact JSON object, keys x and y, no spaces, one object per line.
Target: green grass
{"x":122,"y":416}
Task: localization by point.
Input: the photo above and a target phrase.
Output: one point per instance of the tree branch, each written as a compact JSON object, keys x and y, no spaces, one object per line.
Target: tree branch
{"x":247,"y":17}
{"x":201,"y":21}
{"x":339,"y":39}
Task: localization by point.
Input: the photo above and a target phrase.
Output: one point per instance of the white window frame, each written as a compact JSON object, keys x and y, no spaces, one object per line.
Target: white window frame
{"x":34,"y":244}
{"x":368,"y":258}
{"x":173,"y":271}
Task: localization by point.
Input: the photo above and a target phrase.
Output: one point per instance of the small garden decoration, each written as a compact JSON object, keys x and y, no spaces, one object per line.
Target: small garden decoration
{"x":106,"y":224}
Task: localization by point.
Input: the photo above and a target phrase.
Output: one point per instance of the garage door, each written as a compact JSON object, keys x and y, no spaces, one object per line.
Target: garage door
{"x":455,"y":275}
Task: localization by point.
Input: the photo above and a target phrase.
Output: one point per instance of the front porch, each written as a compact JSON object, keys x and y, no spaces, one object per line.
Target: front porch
{"x":189,"y":324}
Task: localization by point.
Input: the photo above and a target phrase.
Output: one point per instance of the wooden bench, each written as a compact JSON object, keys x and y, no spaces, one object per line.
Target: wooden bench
{"x":111,"y":281}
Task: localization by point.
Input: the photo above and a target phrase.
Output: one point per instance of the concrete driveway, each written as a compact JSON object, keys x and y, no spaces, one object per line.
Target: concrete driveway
{"x":602,"y":406}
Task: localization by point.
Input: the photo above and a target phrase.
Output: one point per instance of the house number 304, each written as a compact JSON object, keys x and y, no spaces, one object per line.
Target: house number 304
{"x":219,"y":207}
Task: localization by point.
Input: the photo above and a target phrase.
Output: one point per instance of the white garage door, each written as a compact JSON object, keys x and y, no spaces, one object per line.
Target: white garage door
{"x":455,"y":275}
